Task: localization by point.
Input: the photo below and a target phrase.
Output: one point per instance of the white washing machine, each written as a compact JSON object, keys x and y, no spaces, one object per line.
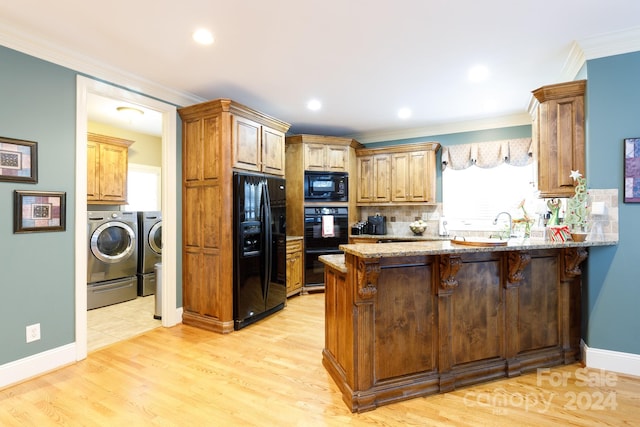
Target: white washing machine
{"x":149,"y":250}
{"x":112,"y":259}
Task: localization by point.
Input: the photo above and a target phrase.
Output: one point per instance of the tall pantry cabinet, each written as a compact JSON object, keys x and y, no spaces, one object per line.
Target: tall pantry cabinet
{"x":218,"y":137}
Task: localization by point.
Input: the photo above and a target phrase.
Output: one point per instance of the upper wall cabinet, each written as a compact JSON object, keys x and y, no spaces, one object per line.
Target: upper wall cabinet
{"x":397,"y":175}
{"x":107,"y":165}
{"x":558,"y":136}
{"x":326,"y":157}
{"x":257,"y":147}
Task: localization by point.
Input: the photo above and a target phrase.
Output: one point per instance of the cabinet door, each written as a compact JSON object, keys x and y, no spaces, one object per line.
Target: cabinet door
{"x":365,"y":179}
{"x":420,"y":172}
{"x":113,"y":160}
{"x":93,"y":183}
{"x":560,"y":135}
{"x":400,"y":177}
{"x":294,"y":267}
{"x":410,"y":177}
{"x":381,"y":177}
{"x":424,"y":189}
{"x":246,"y":143}
{"x":374,"y":173}
{"x":337,"y":158}
{"x":314,"y":157}
{"x":272,"y":151}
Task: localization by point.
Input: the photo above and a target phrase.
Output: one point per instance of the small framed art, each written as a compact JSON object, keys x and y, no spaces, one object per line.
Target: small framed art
{"x":36,"y":211}
{"x":632,"y":170}
{"x":18,"y":160}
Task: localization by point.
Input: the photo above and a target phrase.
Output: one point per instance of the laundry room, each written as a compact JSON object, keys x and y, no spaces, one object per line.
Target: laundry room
{"x":124,"y":221}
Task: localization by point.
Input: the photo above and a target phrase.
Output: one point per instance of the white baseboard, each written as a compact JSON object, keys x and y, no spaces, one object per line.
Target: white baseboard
{"x":615,"y":361}
{"x":38,"y":364}
{"x":41,"y":363}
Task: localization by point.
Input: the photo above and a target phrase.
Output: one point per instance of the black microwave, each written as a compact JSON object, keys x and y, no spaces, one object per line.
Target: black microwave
{"x":326,"y":186}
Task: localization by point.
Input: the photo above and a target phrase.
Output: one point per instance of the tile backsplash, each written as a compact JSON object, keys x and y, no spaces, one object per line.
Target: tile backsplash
{"x":399,"y":217}
{"x":602,"y":226}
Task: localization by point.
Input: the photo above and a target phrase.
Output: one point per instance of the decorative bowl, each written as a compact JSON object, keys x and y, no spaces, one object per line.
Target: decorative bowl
{"x":418,"y":229}
{"x":578,"y":237}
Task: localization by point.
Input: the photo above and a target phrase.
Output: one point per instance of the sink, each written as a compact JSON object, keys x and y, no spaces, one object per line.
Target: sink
{"x":479,"y":241}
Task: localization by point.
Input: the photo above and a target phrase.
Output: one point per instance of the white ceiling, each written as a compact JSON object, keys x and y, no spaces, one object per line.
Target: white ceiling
{"x":363,"y":59}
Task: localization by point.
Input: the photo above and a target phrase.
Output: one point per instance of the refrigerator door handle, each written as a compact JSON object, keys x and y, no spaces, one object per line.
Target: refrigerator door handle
{"x":266,"y":218}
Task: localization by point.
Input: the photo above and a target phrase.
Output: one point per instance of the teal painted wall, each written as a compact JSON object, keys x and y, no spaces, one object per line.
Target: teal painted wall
{"x":37,"y":269}
{"x":613,"y":290}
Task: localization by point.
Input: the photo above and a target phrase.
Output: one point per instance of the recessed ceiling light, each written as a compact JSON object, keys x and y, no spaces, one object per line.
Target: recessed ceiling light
{"x":404,"y":113}
{"x":314,"y":105}
{"x":478,"y":73}
{"x":203,"y":36}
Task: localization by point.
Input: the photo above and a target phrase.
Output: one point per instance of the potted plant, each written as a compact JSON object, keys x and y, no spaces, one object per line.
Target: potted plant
{"x":576,"y":217}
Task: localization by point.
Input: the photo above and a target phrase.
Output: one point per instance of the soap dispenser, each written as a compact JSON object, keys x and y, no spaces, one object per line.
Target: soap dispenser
{"x":442,"y":226}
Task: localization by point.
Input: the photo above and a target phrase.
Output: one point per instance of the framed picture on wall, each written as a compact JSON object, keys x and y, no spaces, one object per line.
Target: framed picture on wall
{"x":18,"y":160}
{"x":36,"y":211}
{"x":632,"y":170}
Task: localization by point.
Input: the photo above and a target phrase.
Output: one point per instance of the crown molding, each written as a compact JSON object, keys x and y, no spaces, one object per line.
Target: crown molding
{"x":444,"y":128}
{"x":23,"y":42}
{"x":614,"y":43}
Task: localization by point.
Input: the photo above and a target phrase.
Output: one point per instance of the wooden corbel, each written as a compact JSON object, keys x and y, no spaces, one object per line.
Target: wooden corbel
{"x":573,"y":257}
{"x":368,"y":271}
{"x":449,"y":266}
{"x":517,"y":261}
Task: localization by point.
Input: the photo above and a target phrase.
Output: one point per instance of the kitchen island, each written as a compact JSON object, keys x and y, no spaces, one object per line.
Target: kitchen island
{"x":410,"y":319}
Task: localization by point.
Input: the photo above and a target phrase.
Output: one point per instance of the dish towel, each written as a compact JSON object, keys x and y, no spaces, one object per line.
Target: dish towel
{"x":327,"y":226}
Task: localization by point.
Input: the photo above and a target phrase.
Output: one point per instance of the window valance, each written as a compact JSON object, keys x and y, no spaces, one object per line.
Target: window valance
{"x":516,"y":152}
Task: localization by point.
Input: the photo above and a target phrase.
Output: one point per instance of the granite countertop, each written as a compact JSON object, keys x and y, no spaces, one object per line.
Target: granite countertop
{"x":380,"y":250}
{"x":335,"y":261}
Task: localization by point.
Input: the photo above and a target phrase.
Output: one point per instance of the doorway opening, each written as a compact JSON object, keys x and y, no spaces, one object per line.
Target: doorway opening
{"x":85,"y":89}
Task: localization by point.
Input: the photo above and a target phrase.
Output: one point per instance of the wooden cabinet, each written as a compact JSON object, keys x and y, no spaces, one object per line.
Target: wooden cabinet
{"x":558,"y":137}
{"x":294,"y":266}
{"x":326,"y":157}
{"x":316,"y":153}
{"x":257,"y":147}
{"x":107,"y":164}
{"x":217,"y":136}
{"x":397,"y":175}
{"x":374,"y":173}
{"x":410,"y":174}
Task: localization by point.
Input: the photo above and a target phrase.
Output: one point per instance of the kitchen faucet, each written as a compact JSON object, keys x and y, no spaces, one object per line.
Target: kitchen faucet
{"x":495,"y":221}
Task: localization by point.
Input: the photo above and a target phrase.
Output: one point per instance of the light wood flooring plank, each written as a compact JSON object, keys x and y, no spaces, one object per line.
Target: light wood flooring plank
{"x":271,"y":374}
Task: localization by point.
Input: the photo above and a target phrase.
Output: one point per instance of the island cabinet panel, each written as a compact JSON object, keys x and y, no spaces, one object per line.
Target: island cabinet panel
{"x":399,"y":327}
{"x":538,"y":305}
{"x":404,"y":326}
{"x":477,"y":310}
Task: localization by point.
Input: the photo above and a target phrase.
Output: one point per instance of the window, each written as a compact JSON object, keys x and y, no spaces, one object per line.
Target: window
{"x":474,"y":196}
{"x":143,"y":188}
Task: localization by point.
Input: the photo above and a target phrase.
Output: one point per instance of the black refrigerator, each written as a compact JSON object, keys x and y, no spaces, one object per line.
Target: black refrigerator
{"x":259,"y":247}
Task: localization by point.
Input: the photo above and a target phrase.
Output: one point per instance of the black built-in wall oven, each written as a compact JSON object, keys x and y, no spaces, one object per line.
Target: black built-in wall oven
{"x":325,"y":229}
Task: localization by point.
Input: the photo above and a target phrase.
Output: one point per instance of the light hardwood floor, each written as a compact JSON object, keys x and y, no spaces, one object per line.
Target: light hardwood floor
{"x":271,"y":374}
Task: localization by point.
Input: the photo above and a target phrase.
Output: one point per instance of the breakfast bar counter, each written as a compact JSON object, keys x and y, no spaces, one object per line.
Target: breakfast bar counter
{"x":410,"y":319}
